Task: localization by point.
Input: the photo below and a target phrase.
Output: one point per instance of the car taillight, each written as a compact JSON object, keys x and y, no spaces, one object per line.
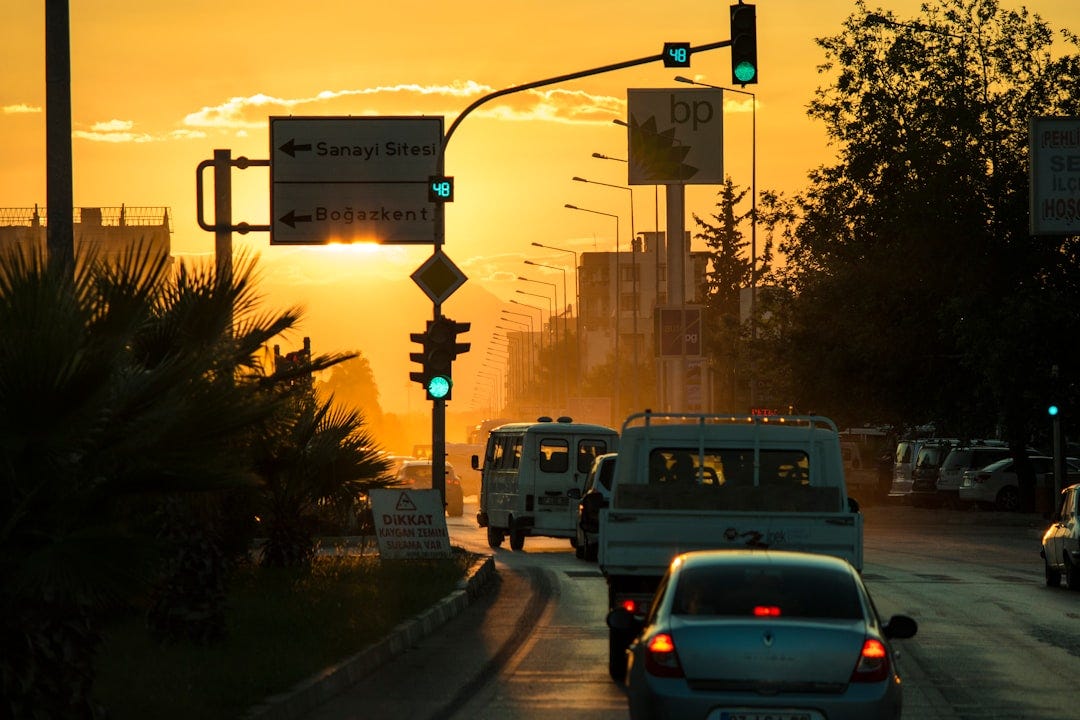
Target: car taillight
{"x":873,"y":664}
{"x":629,"y":606}
{"x":982,"y":477}
{"x":661,"y":659}
{"x":766,"y":611}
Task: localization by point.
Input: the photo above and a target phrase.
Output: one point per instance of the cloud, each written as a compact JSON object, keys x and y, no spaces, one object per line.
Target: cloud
{"x":20,"y":109}
{"x":241,"y":115}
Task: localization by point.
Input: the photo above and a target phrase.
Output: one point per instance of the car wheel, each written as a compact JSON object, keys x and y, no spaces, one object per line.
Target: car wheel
{"x":1072,"y":575}
{"x":517,"y":540}
{"x":1053,"y":577}
{"x":495,"y":537}
{"x":1008,"y":499}
{"x":455,"y":510}
{"x":592,"y":551}
{"x":617,"y":644}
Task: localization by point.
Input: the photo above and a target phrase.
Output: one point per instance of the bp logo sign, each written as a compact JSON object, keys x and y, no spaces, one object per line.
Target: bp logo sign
{"x":676,"y":136}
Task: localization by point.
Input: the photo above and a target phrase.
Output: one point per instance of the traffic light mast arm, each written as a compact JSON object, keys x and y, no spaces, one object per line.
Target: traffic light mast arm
{"x":571,"y":76}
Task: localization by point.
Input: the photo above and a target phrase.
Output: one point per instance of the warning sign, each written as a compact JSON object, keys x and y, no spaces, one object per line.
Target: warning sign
{"x":410,"y":524}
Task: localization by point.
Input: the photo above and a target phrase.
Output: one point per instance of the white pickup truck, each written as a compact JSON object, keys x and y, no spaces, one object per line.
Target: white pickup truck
{"x":689,"y":482}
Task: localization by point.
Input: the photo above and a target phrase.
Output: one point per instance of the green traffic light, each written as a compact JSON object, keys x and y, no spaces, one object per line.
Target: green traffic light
{"x":1052,"y":410}
{"x":744,"y":72}
{"x":438,"y":387}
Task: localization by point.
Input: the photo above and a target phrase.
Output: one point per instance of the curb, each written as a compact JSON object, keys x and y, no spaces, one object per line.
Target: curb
{"x":309,"y":694}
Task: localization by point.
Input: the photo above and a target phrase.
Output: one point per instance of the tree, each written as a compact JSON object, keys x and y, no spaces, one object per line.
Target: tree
{"x":314,"y":460}
{"x":917,"y":292}
{"x":353,"y":383}
{"x":118,"y":389}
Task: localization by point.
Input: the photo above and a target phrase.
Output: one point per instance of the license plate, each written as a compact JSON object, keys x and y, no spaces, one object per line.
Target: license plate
{"x":554,"y":500}
{"x":756,"y":714}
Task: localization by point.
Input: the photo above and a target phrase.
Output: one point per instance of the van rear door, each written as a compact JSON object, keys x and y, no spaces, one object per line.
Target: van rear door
{"x":563,"y":462}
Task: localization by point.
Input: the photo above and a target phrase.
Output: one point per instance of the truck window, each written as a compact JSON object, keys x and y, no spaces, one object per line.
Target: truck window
{"x":554,"y":455}
{"x":588,"y":451}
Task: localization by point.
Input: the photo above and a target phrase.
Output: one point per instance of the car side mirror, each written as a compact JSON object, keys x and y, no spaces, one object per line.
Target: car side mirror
{"x":900,"y":627}
{"x":475,"y":462}
{"x":852,"y":505}
{"x":623,"y":620}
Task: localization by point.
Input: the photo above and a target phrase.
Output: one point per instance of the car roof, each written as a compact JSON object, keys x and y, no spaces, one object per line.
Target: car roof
{"x":698,"y":558}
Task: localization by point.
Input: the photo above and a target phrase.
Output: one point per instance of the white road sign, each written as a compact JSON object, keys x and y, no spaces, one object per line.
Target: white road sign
{"x":1055,"y":175}
{"x":676,"y":136}
{"x":353,"y":179}
{"x":410,"y":524}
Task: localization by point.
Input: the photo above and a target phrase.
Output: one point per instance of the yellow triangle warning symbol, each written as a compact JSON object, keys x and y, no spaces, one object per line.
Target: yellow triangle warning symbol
{"x":405,"y":503}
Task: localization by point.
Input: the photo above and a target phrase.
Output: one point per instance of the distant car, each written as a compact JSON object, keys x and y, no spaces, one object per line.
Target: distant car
{"x":967,"y":457}
{"x":1061,"y":541}
{"x":595,"y":495}
{"x":762,"y":634}
{"x":416,"y":474}
{"x":924,"y":474}
{"x":996,"y":485}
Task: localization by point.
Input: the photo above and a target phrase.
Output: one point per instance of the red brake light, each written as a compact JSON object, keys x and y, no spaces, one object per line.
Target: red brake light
{"x":766,"y":611}
{"x":629,"y":605}
{"x":873,"y":664}
{"x":661,"y":659}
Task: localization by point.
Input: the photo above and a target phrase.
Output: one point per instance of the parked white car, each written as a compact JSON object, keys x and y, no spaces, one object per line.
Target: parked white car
{"x":996,"y":486}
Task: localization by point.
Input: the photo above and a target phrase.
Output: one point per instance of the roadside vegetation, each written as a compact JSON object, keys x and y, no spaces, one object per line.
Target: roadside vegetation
{"x":283,"y":625}
{"x":146,"y":440}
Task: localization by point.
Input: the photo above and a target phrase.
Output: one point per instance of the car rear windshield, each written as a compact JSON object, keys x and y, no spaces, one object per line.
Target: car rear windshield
{"x":776,"y":590}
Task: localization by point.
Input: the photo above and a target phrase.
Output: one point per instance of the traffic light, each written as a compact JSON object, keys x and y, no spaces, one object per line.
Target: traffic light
{"x":439,"y":359}
{"x":744,"y":68}
{"x":420,"y":376}
{"x":1053,"y":411}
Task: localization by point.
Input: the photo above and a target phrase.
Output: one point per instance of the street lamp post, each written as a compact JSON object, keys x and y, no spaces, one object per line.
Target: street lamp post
{"x":618,"y":389}
{"x":566,"y":332}
{"x":536,"y":344}
{"x":753,"y":220}
{"x":552,"y":318}
{"x":551,"y":343}
{"x":528,"y":348}
{"x":634,"y":278}
{"x":577,"y":300}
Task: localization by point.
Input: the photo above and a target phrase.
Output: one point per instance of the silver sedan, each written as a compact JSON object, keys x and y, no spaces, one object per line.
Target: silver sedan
{"x":762,"y":635}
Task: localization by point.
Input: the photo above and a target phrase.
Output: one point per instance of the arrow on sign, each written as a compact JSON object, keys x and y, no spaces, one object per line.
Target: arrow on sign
{"x":291,"y":147}
{"x":291,"y":218}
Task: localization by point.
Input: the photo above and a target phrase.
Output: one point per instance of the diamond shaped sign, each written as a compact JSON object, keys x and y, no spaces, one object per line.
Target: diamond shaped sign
{"x":438,"y":277}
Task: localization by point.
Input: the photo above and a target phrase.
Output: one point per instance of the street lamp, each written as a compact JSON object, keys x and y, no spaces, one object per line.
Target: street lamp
{"x":618,"y":284}
{"x":566,"y":333}
{"x":602,"y":156}
{"x":551,"y":338}
{"x":555,"y":333}
{"x":577,"y":300}
{"x":753,"y":212}
{"x":633,"y":272}
{"x":532,"y":334}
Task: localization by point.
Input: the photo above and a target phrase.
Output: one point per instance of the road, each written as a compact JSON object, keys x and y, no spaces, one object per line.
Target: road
{"x":994,"y":642}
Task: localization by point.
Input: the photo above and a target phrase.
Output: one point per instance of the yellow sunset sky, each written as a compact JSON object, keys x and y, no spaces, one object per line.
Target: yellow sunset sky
{"x":158,"y":86}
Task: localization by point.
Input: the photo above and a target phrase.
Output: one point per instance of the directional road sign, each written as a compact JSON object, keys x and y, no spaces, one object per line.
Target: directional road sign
{"x":354,"y":179}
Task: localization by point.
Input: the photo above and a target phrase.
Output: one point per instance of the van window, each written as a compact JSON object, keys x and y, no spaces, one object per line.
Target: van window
{"x":506,"y":452}
{"x":588,"y":451}
{"x":554,"y":455}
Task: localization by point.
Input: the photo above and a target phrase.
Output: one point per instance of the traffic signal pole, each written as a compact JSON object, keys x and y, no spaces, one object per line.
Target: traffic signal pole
{"x":438,"y":407}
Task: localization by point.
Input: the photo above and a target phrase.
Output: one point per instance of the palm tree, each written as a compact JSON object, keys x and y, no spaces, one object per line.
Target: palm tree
{"x":119,"y":386}
{"x":315,"y":461}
